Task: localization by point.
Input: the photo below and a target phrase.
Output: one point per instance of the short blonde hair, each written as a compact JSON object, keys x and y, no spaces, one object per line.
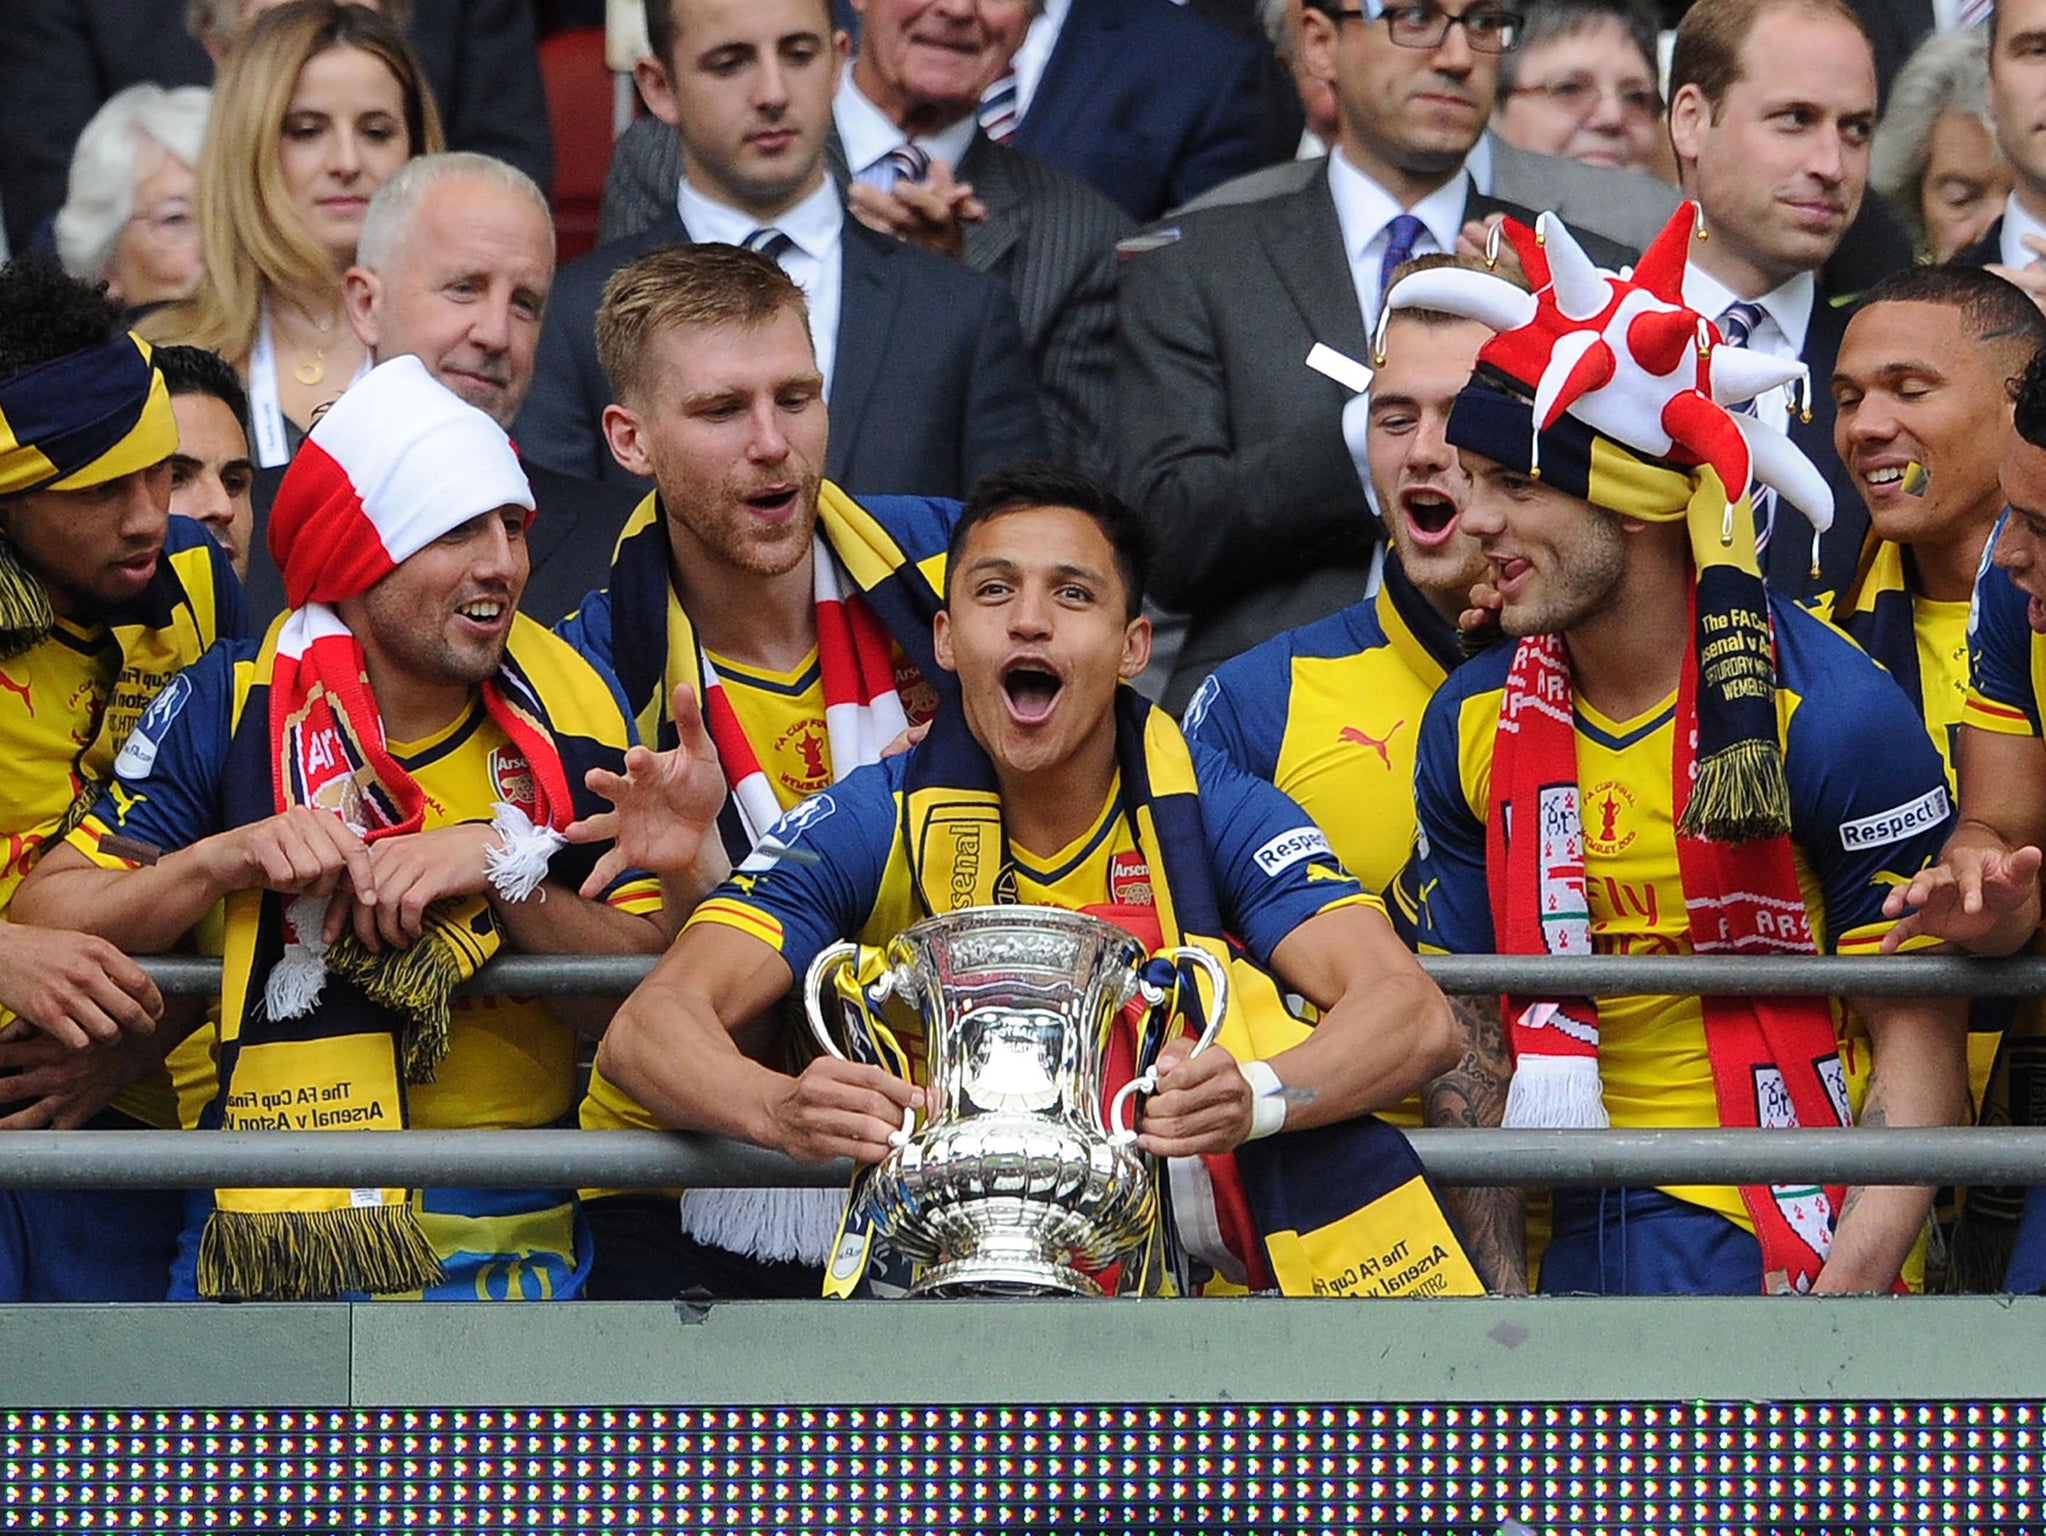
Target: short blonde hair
{"x":248,"y":238}
{"x":680,"y":285}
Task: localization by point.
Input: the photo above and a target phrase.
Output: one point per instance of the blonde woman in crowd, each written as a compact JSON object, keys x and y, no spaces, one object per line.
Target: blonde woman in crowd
{"x":317,"y":105}
{"x":128,"y":218}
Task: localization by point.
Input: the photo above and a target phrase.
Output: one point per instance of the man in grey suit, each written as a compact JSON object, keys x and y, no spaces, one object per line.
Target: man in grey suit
{"x":1241,"y":451}
{"x":1624,"y":206}
{"x":925,"y":367}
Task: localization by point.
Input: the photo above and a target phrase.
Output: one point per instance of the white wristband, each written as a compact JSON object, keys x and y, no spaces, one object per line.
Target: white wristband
{"x":1267,"y":1098}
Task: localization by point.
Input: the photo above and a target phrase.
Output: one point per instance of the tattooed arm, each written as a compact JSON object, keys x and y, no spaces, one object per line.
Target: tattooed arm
{"x":1474,"y":1094}
{"x":1919,"y":1077}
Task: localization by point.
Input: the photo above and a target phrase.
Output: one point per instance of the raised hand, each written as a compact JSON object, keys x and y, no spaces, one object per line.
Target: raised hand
{"x":932,"y":213}
{"x":2031,"y":277}
{"x":667,"y":804}
{"x":1203,"y":1103}
{"x":74,"y":987}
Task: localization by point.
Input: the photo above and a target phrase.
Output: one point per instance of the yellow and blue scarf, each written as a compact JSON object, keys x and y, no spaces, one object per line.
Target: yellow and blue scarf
{"x":1876,"y":609}
{"x":899,"y":576}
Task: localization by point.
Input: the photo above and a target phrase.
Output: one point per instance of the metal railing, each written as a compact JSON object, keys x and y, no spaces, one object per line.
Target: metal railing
{"x":664,"y":1160}
{"x":654,"y":1160}
{"x":1470,"y":975}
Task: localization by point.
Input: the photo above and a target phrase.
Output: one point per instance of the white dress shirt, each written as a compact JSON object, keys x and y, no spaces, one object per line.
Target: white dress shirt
{"x":1786,"y":316}
{"x":1030,"y":60}
{"x":868,"y":135}
{"x":1365,"y":211}
{"x":816,"y":262}
{"x":1478,"y":164}
{"x":2016,"y":225}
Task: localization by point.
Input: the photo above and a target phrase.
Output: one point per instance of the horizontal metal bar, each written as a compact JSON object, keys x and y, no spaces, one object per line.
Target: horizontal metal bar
{"x":1573,"y":975}
{"x":658,"y":1160}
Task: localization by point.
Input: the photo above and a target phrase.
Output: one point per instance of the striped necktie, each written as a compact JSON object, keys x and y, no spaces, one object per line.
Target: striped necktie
{"x":998,"y":114}
{"x":1737,"y":323}
{"x":1401,"y":235}
{"x":1972,"y":13}
{"x":769,"y":242}
{"x":905,"y":162}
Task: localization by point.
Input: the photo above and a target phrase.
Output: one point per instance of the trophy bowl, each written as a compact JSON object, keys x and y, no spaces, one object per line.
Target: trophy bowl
{"x":1017,"y":1183}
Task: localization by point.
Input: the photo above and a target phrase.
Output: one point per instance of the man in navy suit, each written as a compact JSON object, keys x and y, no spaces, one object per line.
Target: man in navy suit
{"x":1771,"y":111}
{"x":2015,"y":246}
{"x":926,"y":371}
{"x":1151,"y":102}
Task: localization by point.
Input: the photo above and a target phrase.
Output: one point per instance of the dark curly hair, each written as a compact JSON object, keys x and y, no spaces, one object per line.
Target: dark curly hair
{"x":2028,"y":399}
{"x":45,"y":315}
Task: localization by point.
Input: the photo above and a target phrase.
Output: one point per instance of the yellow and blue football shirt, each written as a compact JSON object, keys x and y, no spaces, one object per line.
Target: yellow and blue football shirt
{"x":69,"y":703}
{"x":510,"y":1063}
{"x":1869,"y":808}
{"x":1330,"y":714}
{"x":2007,"y":658}
{"x":850,"y":876}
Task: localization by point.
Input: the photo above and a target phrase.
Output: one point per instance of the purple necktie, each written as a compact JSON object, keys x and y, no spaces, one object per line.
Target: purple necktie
{"x":1400,"y":237}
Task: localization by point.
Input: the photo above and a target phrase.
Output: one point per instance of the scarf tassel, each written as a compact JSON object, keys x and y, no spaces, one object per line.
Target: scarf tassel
{"x":315,"y":1255}
{"x":1741,"y":795}
{"x":518,"y":863}
{"x":413,"y":983}
{"x":776,"y":1225}
{"x":26,"y":616}
{"x":300,"y":974}
{"x":1555,"y":1093}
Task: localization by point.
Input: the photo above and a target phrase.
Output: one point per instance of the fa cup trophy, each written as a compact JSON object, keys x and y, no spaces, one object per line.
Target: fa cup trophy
{"x":1017,"y":1182}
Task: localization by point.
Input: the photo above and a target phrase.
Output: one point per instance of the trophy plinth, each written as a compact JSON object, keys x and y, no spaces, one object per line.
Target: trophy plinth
{"x":1016,"y":1183}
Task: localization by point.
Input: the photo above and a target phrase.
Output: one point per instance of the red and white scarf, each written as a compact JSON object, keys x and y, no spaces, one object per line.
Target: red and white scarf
{"x":863,"y":713}
{"x":1775,"y":1062}
{"x":396,"y":463}
{"x":862,"y":708}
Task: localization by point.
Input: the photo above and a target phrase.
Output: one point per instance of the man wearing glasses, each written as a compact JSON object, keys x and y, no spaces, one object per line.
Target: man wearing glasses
{"x":1583,"y":84}
{"x":1234,"y":443}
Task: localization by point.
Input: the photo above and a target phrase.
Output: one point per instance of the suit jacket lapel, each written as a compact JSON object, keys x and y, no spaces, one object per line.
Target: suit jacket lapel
{"x":1305,"y":246}
{"x":1069,"y":73}
{"x":869,"y":295}
{"x":1984,"y":252}
{"x":1790,"y":549}
{"x":985,"y":167}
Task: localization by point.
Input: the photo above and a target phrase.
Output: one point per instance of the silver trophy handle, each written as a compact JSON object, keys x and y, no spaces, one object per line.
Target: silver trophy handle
{"x":830,"y":960}
{"x":1147,"y":1082}
{"x":1218,"y":982}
